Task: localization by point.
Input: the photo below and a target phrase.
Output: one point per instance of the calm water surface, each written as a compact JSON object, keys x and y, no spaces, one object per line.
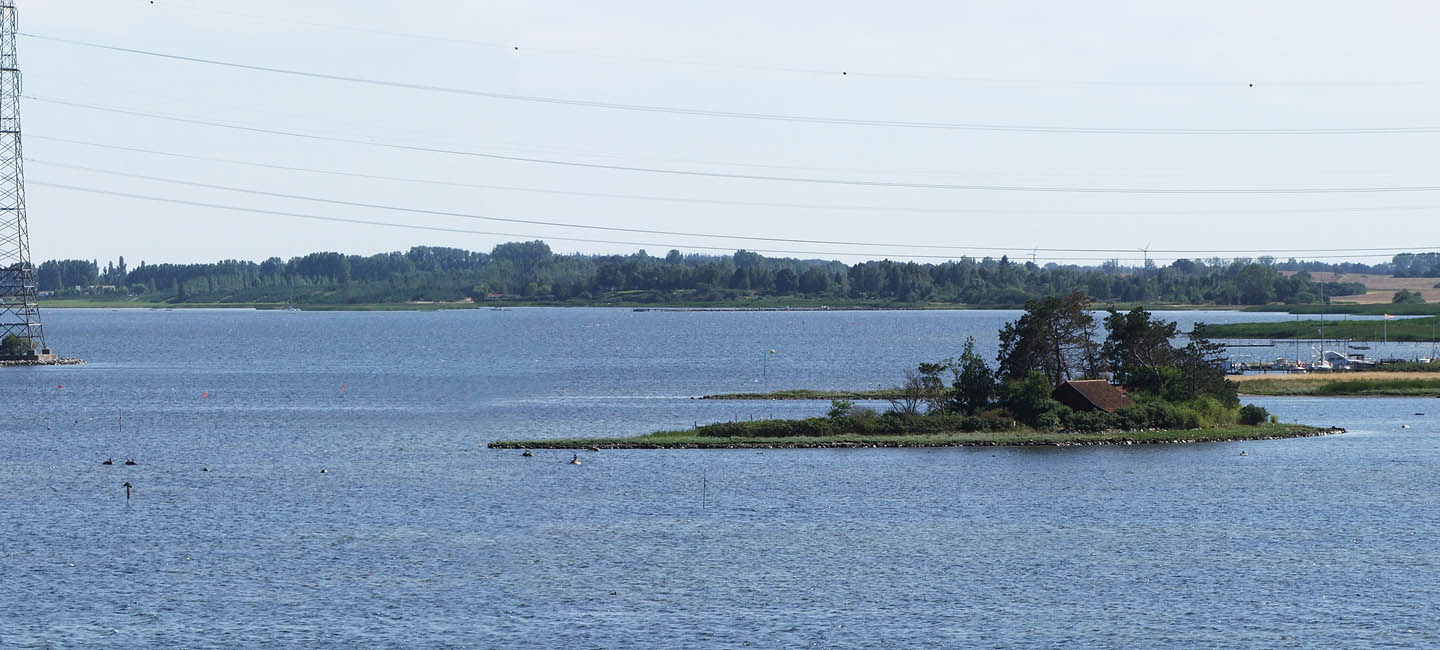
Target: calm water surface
{"x":419,"y":536}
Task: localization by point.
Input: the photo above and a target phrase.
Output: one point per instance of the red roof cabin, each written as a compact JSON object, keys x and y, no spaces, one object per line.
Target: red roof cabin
{"x":1092,"y":395}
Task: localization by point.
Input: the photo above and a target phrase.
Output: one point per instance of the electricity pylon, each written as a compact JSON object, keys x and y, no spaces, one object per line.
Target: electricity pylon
{"x":19,"y":298}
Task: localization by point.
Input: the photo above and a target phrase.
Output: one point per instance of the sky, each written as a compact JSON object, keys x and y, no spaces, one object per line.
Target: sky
{"x":1054,"y":131}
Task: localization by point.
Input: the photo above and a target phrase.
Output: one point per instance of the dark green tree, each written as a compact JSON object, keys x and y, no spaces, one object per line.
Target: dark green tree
{"x":14,"y":346}
{"x":1138,"y":349}
{"x":974,"y":387}
{"x":1199,"y":370}
{"x":786,"y":282}
{"x":1028,"y":399}
{"x":1257,"y":284}
{"x":1408,"y":297}
{"x":1055,"y":336}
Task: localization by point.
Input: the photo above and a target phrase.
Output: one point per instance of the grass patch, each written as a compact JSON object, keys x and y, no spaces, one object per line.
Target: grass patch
{"x":1362,"y":384}
{"x":1409,"y":329}
{"x":1014,"y":438}
{"x":1426,"y":309}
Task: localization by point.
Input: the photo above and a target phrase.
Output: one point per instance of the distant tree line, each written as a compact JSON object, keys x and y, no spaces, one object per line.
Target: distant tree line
{"x":1417,"y":265}
{"x":531,"y":271}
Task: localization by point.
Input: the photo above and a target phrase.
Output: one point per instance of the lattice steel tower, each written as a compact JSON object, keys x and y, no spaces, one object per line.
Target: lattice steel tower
{"x":19,"y":300}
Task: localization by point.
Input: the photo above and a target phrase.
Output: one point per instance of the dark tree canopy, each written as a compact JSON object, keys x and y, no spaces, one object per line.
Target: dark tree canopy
{"x":1056,"y":337}
{"x":1138,"y":348}
{"x":974,"y":381}
{"x":14,"y":346}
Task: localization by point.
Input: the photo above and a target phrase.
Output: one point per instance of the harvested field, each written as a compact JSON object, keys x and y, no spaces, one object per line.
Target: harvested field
{"x":1382,"y":287}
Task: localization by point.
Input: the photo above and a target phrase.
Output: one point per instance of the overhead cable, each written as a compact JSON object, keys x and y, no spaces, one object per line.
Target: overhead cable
{"x":848,"y":207}
{"x":300,"y":215}
{"x":754,"y":177}
{"x":772,"y":117}
{"x":843,"y":71}
{"x":649,"y":231}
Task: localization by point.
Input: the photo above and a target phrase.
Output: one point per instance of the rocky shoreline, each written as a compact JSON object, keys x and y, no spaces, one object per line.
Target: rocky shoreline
{"x":66,"y":361}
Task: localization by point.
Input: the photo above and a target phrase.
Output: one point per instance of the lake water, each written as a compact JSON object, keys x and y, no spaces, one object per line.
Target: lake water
{"x":418,"y":536}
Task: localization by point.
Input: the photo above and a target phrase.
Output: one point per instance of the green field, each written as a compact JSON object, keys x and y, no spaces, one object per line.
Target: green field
{"x":1423,"y":309}
{"x":1406,"y":329}
{"x":688,"y":439}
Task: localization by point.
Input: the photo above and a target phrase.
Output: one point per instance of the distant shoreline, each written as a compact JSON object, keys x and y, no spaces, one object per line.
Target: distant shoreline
{"x":775,"y":305}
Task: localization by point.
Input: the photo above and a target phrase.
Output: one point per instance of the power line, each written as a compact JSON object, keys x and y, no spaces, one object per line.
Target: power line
{"x":430,"y":136}
{"x":648,"y":231}
{"x":301,"y":215}
{"x":773,"y":117}
{"x":814,"y":71}
{"x":754,"y":177}
{"x":763,"y":204}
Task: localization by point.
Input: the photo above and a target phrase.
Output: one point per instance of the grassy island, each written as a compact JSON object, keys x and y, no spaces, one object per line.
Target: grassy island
{"x":1348,"y":384}
{"x":699,"y":439}
{"x":1405,"y":329}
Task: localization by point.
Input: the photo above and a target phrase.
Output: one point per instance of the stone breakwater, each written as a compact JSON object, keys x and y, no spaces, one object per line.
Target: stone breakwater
{"x":53,"y":362}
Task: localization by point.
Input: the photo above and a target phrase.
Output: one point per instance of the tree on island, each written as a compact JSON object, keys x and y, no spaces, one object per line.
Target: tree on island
{"x":974,"y":386}
{"x":14,"y":346}
{"x":1055,"y":336}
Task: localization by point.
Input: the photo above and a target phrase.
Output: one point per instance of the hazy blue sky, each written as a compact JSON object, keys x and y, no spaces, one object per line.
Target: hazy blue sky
{"x":1091,"y":65}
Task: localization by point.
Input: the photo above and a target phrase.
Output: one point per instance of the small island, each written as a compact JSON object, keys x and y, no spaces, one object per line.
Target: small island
{"x":1055,"y":384}
{"x":1404,"y":329}
{"x":701,"y":439}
